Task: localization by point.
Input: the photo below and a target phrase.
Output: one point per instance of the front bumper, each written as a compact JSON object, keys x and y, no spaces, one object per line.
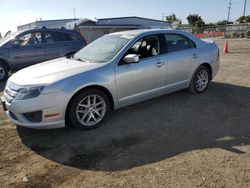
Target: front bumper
{"x":46,"y":103}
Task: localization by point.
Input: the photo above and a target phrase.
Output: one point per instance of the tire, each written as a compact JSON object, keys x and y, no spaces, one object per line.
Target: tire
{"x":85,"y":115}
{"x":198,"y":83}
{"x":4,"y":72}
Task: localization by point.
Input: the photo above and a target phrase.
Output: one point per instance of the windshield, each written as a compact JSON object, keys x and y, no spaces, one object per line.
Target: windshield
{"x":8,"y":38}
{"x":103,"y":49}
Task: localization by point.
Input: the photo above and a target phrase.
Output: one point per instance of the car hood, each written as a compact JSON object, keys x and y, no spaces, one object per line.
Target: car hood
{"x":51,"y":71}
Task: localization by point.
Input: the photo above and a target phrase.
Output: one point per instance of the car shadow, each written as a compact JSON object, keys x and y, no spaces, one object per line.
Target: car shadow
{"x":152,"y":131}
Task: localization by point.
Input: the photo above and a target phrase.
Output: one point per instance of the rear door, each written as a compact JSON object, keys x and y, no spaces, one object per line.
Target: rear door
{"x":53,"y":47}
{"x":30,"y":51}
{"x":182,"y":58}
{"x":60,"y":44}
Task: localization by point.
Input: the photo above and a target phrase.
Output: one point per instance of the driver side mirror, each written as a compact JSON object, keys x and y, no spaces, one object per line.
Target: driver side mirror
{"x":131,"y":58}
{"x":16,"y":43}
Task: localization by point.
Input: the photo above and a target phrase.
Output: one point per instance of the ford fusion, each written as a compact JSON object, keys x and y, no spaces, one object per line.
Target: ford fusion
{"x":114,"y":71}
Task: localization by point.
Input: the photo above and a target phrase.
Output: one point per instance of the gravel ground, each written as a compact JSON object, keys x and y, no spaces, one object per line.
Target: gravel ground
{"x":177,"y":140}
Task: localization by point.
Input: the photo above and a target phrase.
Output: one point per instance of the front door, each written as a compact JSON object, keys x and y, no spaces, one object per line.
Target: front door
{"x":145,"y":79}
{"x":29,"y":52}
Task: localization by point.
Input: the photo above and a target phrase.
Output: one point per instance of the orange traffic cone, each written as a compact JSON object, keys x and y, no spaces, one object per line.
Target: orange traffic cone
{"x":225,"y":49}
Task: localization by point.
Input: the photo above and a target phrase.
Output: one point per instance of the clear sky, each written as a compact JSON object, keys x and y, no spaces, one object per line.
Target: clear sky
{"x":16,"y":12}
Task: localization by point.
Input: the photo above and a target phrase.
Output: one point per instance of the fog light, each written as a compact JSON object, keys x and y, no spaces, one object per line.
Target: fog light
{"x":12,"y":115}
{"x":34,"y":116}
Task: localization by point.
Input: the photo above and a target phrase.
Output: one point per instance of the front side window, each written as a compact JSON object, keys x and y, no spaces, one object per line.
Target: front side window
{"x":177,"y":42}
{"x":30,"y":39}
{"x":103,"y":49}
{"x":146,"y":47}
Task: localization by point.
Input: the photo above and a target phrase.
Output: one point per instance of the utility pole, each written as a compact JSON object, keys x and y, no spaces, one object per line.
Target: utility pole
{"x":229,"y":10}
{"x":245,"y":5}
{"x":74,"y":10}
{"x":163,"y":17}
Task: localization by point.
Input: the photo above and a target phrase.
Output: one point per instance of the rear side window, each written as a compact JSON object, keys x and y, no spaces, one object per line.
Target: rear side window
{"x":177,"y":42}
{"x":49,"y":37}
{"x":62,"y":37}
{"x":74,"y":38}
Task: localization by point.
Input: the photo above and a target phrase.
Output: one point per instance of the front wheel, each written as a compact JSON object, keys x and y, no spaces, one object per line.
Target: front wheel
{"x":89,"y":109}
{"x":4,"y":71}
{"x":200,"y":80}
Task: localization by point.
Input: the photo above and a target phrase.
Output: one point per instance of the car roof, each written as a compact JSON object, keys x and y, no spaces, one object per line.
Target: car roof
{"x":142,"y":31}
{"x":145,"y":32}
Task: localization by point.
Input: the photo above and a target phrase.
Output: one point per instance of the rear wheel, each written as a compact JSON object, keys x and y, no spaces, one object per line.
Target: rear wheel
{"x":200,"y":80}
{"x":4,"y":71}
{"x":88,"y":109}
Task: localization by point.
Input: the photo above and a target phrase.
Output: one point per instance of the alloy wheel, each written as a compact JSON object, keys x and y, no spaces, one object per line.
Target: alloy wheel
{"x":91,"y":110}
{"x":2,"y":72}
{"x":201,"y":80}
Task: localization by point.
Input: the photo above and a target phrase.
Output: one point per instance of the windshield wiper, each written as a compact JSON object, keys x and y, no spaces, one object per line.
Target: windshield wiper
{"x":82,"y":60}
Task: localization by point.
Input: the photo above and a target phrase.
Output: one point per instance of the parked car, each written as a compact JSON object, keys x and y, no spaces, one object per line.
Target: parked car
{"x":26,"y":48}
{"x":114,"y":71}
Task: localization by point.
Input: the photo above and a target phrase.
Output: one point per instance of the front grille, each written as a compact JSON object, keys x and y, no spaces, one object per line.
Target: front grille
{"x":10,"y":92}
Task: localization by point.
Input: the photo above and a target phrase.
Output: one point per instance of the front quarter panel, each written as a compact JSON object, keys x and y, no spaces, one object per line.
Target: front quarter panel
{"x":68,"y":87}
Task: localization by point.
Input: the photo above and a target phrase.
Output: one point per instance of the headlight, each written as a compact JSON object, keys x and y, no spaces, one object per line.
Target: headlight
{"x":27,"y":93}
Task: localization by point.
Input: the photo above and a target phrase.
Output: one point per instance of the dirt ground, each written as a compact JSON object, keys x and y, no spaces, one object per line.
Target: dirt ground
{"x":178,"y":140}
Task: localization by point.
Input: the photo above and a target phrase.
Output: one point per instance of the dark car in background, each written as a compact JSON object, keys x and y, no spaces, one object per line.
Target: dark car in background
{"x":22,"y":49}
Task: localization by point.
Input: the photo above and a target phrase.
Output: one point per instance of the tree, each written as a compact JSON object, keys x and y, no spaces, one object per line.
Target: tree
{"x":172,"y":18}
{"x":195,"y":20}
{"x":244,"y":19}
{"x":223,"y":22}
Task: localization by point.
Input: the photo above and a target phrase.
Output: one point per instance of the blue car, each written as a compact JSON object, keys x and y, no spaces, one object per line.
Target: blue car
{"x":22,"y":49}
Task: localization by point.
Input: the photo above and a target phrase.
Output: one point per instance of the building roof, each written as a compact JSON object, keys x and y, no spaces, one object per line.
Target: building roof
{"x":80,"y":22}
{"x":129,"y":17}
{"x":58,"y":21}
{"x":131,"y":22}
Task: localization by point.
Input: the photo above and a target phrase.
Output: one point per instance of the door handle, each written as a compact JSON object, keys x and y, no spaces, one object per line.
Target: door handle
{"x":195,"y":56}
{"x":159,"y":64}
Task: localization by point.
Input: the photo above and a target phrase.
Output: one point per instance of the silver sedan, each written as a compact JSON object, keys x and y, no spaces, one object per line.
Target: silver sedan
{"x":114,"y":71}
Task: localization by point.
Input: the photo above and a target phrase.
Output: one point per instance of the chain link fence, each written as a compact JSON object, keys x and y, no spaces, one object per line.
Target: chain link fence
{"x":227,"y":31}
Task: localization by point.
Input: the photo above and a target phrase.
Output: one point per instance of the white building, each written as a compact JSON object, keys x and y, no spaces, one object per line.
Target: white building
{"x":91,"y":30}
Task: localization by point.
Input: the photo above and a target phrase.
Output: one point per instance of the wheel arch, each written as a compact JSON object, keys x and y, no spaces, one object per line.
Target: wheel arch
{"x":102,"y":88}
{"x":2,"y":60}
{"x":209,"y":68}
